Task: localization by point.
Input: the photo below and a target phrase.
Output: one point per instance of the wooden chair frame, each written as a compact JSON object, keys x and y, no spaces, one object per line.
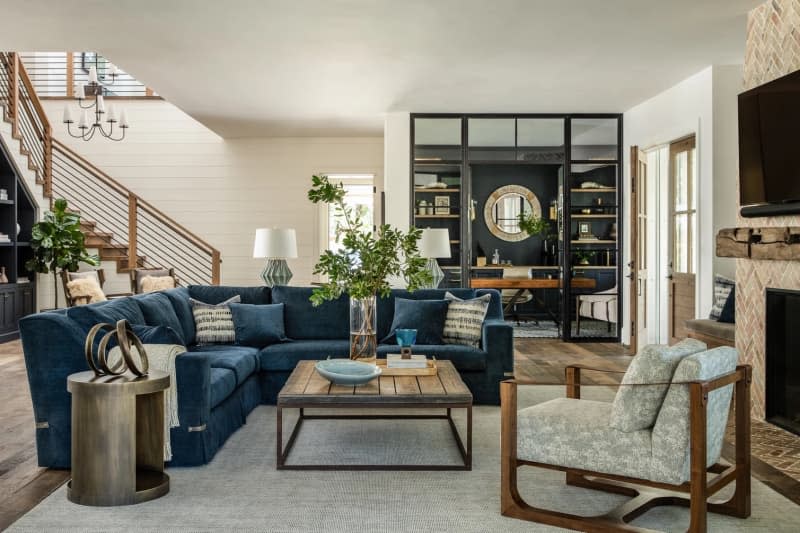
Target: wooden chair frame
{"x":101,"y":278}
{"x":135,"y":288}
{"x":645,"y":494}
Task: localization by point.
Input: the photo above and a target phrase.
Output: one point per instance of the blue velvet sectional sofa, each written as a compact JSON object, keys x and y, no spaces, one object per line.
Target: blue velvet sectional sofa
{"x":218,"y":385}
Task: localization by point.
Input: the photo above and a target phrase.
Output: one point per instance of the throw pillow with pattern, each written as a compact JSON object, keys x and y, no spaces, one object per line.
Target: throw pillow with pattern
{"x":464,"y":321}
{"x":722,"y":288}
{"x":214,"y":322}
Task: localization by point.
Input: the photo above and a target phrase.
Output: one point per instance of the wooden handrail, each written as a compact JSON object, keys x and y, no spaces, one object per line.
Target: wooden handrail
{"x":37,"y":104}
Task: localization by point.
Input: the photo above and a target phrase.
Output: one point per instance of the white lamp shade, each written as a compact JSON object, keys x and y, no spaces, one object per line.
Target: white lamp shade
{"x":275,"y":242}
{"x":435,"y":242}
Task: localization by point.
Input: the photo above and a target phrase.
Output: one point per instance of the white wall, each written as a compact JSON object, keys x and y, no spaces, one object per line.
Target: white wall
{"x":222,"y":189}
{"x":703,"y":104}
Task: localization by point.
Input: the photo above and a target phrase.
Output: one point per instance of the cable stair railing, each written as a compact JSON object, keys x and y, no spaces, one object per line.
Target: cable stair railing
{"x":123,"y":226}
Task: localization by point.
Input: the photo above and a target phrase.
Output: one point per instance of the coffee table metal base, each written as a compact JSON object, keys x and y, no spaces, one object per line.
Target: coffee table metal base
{"x":465,"y":451}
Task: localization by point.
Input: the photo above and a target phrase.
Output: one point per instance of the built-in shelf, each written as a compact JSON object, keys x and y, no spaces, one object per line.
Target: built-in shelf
{"x":436,"y":216}
{"x":594,"y":216}
{"x":455,"y":242}
{"x":597,"y":189}
{"x":4,"y":244}
{"x":23,"y":243}
{"x":6,"y":202}
{"x":593,"y":241}
{"x":426,"y":189}
{"x":593,"y":267}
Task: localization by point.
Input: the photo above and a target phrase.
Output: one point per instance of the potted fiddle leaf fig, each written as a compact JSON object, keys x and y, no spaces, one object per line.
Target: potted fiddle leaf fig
{"x":58,"y":244}
{"x":363,"y":266}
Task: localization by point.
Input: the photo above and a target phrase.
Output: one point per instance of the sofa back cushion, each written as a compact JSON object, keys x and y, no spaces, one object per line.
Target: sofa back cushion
{"x":109,"y":312}
{"x":386,"y":305}
{"x":214,"y":294}
{"x":302,"y":320}
{"x":637,"y":407}
{"x":158,"y":311}
{"x":179,"y":298}
{"x":258,"y":325}
{"x":671,"y":431}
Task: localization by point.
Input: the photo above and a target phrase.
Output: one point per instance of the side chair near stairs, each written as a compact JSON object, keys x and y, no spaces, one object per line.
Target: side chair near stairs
{"x":98,"y":275}
{"x":673,"y":462}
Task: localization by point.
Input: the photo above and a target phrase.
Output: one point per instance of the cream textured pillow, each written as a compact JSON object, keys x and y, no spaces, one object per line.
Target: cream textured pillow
{"x":157,"y":283}
{"x":85,"y":291}
{"x":637,"y":407}
{"x":464,"y":321}
{"x":214,"y":322}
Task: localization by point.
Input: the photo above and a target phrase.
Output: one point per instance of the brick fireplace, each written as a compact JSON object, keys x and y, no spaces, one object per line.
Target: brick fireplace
{"x":772,"y":50}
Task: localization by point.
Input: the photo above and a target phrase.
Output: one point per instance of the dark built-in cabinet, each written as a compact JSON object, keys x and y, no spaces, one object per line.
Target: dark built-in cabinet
{"x":474,"y":173}
{"x":17,"y":216}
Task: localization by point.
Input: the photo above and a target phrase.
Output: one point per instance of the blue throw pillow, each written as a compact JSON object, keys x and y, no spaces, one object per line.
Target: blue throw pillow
{"x":728,"y":314}
{"x":258,"y":325}
{"x":426,"y":316}
{"x":157,"y":335}
{"x":158,"y":311}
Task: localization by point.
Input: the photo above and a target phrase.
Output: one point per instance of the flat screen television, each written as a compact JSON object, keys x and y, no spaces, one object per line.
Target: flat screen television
{"x":769,"y":148}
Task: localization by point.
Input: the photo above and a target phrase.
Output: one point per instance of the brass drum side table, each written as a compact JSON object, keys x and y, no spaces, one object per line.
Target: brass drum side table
{"x":117,"y":438}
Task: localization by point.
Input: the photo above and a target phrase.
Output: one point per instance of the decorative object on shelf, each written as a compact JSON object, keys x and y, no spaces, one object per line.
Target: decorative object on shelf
{"x":503,"y":208}
{"x":585,"y":232}
{"x":362,"y":266}
{"x":93,"y":94}
{"x":496,"y":257}
{"x":473,"y":208}
{"x":591,"y":185}
{"x":442,"y":204}
{"x":3,"y":277}
{"x":583,"y":257}
{"x":423,"y":180}
{"x":598,"y":201}
{"x":421,"y":207}
{"x":347,"y":371}
{"x":57,"y":243}
{"x":609,"y":257}
{"x":480,"y":256}
{"x":436,"y":185}
{"x":405,"y":339}
{"x":532,"y":225}
{"x":586,"y":211}
{"x":612,"y":234}
{"x":434,"y":244}
{"x":19,"y":229}
{"x":553,"y":210}
{"x":3,"y":194}
{"x":123,"y":334}
{"x":276,"y":245}
{"x":4,"y":238}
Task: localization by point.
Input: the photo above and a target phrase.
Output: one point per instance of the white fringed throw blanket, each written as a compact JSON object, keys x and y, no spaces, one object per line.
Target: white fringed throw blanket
{"x":162,"y":357}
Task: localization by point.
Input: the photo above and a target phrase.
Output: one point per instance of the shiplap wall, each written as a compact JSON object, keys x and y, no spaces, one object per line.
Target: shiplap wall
{"x":223,"y":189}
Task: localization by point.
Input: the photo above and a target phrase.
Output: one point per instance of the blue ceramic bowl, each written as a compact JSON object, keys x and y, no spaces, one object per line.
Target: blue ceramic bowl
{"x":406,"y":337}
{"x":347,"y":372}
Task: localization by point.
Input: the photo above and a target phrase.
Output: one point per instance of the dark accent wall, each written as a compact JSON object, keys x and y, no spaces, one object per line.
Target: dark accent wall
{"x":541,"y":179}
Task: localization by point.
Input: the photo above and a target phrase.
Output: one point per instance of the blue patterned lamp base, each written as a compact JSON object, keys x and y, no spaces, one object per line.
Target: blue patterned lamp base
{"x":276,"y":272}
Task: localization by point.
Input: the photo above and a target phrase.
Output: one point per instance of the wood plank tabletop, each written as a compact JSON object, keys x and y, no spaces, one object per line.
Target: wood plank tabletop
{"x":306,"y":386}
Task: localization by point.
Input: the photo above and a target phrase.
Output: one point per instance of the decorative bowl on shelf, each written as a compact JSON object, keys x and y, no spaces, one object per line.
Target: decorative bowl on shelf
{"x":347,"y":371}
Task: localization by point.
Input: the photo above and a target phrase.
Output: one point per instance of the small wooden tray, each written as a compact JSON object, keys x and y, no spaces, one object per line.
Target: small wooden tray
{"x":386,"y":371}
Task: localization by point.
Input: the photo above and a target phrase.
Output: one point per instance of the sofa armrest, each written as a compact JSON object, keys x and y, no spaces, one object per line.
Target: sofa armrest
{"x":193,"y":372}
{"x":498,"y":341}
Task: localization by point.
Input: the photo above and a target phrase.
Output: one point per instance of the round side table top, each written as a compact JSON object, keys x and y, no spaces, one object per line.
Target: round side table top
{"x":128,"y":382}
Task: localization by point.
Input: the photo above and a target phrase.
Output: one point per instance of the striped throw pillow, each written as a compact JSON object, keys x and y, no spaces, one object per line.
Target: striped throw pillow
{"x":214,"y":323}
{"x":464,"y":321}
{"x":722,"y":288}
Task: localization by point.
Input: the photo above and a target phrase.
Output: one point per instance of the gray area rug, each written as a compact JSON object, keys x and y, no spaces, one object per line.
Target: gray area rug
{"x":240,"y":490}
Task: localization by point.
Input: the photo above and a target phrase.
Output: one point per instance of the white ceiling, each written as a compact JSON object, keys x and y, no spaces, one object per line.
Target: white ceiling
{"x":334,"y":67}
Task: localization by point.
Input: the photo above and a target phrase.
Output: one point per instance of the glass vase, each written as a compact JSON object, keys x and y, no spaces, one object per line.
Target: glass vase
{"x":363,"y":329}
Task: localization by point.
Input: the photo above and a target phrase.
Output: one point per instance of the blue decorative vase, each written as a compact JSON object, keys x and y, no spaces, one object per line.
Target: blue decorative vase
{"x":406,"y":337}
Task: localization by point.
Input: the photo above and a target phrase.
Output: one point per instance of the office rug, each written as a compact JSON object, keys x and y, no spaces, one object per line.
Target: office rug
{"x":240,"y":490}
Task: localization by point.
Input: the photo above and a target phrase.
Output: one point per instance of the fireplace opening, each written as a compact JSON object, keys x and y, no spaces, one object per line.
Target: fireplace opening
{"x":783,"y":359}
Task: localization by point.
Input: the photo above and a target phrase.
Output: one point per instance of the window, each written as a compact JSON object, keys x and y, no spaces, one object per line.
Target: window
{"x":684,"y":205}
{"x":360,"y":195}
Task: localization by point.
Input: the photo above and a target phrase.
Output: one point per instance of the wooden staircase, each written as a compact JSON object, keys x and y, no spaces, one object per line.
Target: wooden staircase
{"x":123,"y":227}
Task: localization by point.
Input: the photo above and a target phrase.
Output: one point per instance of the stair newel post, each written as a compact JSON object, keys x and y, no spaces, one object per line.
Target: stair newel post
{"x":70,"y":74}
{"x":133,"y":229}
{"x":215,"y":261}
{"x":13,"y":81}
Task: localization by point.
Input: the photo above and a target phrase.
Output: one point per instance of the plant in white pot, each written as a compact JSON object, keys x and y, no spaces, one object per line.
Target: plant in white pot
{"x":363,"y":265}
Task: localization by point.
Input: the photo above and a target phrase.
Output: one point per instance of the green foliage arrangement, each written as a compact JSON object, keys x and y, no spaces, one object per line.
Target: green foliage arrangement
{"x":533,"y":225}
{"x":584,"y":256}
{"x":365,"y":262}
{"x":58,"y":244}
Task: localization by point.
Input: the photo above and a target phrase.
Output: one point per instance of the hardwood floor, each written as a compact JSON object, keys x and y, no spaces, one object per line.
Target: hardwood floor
{"x":23,"y":484}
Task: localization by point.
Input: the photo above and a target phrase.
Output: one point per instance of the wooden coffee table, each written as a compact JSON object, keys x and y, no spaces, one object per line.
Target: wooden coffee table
{"x":307,"y":389}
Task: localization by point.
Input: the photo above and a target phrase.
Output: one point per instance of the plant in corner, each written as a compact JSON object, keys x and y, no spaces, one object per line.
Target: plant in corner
{"x":363,"y":266}
{"x":58,"y":244}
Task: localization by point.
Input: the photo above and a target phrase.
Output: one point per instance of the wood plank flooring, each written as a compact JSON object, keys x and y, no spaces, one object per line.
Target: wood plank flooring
{"x":23,"y":484}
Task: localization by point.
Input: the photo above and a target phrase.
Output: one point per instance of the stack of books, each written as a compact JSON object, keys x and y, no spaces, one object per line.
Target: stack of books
{"x":4,"y":238}
{"x":395,"y":360}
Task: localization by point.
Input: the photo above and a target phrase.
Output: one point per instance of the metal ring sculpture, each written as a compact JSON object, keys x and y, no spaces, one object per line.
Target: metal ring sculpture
{"x":124,"y":335}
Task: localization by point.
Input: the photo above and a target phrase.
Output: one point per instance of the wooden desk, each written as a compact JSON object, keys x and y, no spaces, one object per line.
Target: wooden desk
{"x":523,"y":284}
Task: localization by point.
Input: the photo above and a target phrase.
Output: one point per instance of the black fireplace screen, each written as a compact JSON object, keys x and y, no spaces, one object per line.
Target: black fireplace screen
{"x":783,"y":359}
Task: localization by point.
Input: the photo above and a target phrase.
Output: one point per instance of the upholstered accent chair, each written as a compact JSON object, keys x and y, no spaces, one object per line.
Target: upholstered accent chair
{"x":514,"y":297}
{"x":675,"y":461}
{"x":138,"y":274}
{"x":601,"y":306}
{"x":98,"y":275}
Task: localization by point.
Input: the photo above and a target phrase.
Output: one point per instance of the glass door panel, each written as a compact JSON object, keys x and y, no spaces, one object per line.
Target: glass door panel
{"x":594,"y":139}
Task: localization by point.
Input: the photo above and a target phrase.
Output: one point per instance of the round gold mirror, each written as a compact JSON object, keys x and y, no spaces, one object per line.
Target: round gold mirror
{"x":503,"y":208}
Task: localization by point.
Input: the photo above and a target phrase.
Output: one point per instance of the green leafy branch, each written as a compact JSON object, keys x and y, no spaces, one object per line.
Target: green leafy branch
{"x":533,"y":225}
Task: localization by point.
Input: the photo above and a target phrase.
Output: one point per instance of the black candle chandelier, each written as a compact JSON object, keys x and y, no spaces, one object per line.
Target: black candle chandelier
{"x":90,"y":97}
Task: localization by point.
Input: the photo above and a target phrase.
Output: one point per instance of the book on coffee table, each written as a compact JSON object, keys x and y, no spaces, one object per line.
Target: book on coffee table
{"x":395,"y":360}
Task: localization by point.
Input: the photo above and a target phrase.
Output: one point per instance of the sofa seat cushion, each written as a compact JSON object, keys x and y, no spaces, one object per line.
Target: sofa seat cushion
{"x":576,"y":434}
{"x":109,"y":312}
{"x":223,"y":383}
{"x":284,"y":357}
{"x":706,"y":326}
{"x":464,"y":358}
{"x":242,"y":360}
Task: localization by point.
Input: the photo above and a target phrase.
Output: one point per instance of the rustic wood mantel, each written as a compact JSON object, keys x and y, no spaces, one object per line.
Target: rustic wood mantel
{"x":767,"y":243}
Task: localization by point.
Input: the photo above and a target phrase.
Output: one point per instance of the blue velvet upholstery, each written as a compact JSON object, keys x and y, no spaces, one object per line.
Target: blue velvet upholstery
{"x":258,"y":325}
{"x":215,"y":294}
{"x":219,"y":385}
{"x":179,"y":298}
{"x":157,"y":335}
{"x":109,"y":311}
{"x":385,"y":306}
{"x":331,"y":320}
{"x":242,"y":360}
{"x":426,"y":316}
{"x":285,"y":356}
{"x":158,"y":311}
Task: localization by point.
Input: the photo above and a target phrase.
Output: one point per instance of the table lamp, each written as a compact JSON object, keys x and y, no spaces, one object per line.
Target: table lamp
{"x":277,"y":245}
{"x":434,"y":244}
